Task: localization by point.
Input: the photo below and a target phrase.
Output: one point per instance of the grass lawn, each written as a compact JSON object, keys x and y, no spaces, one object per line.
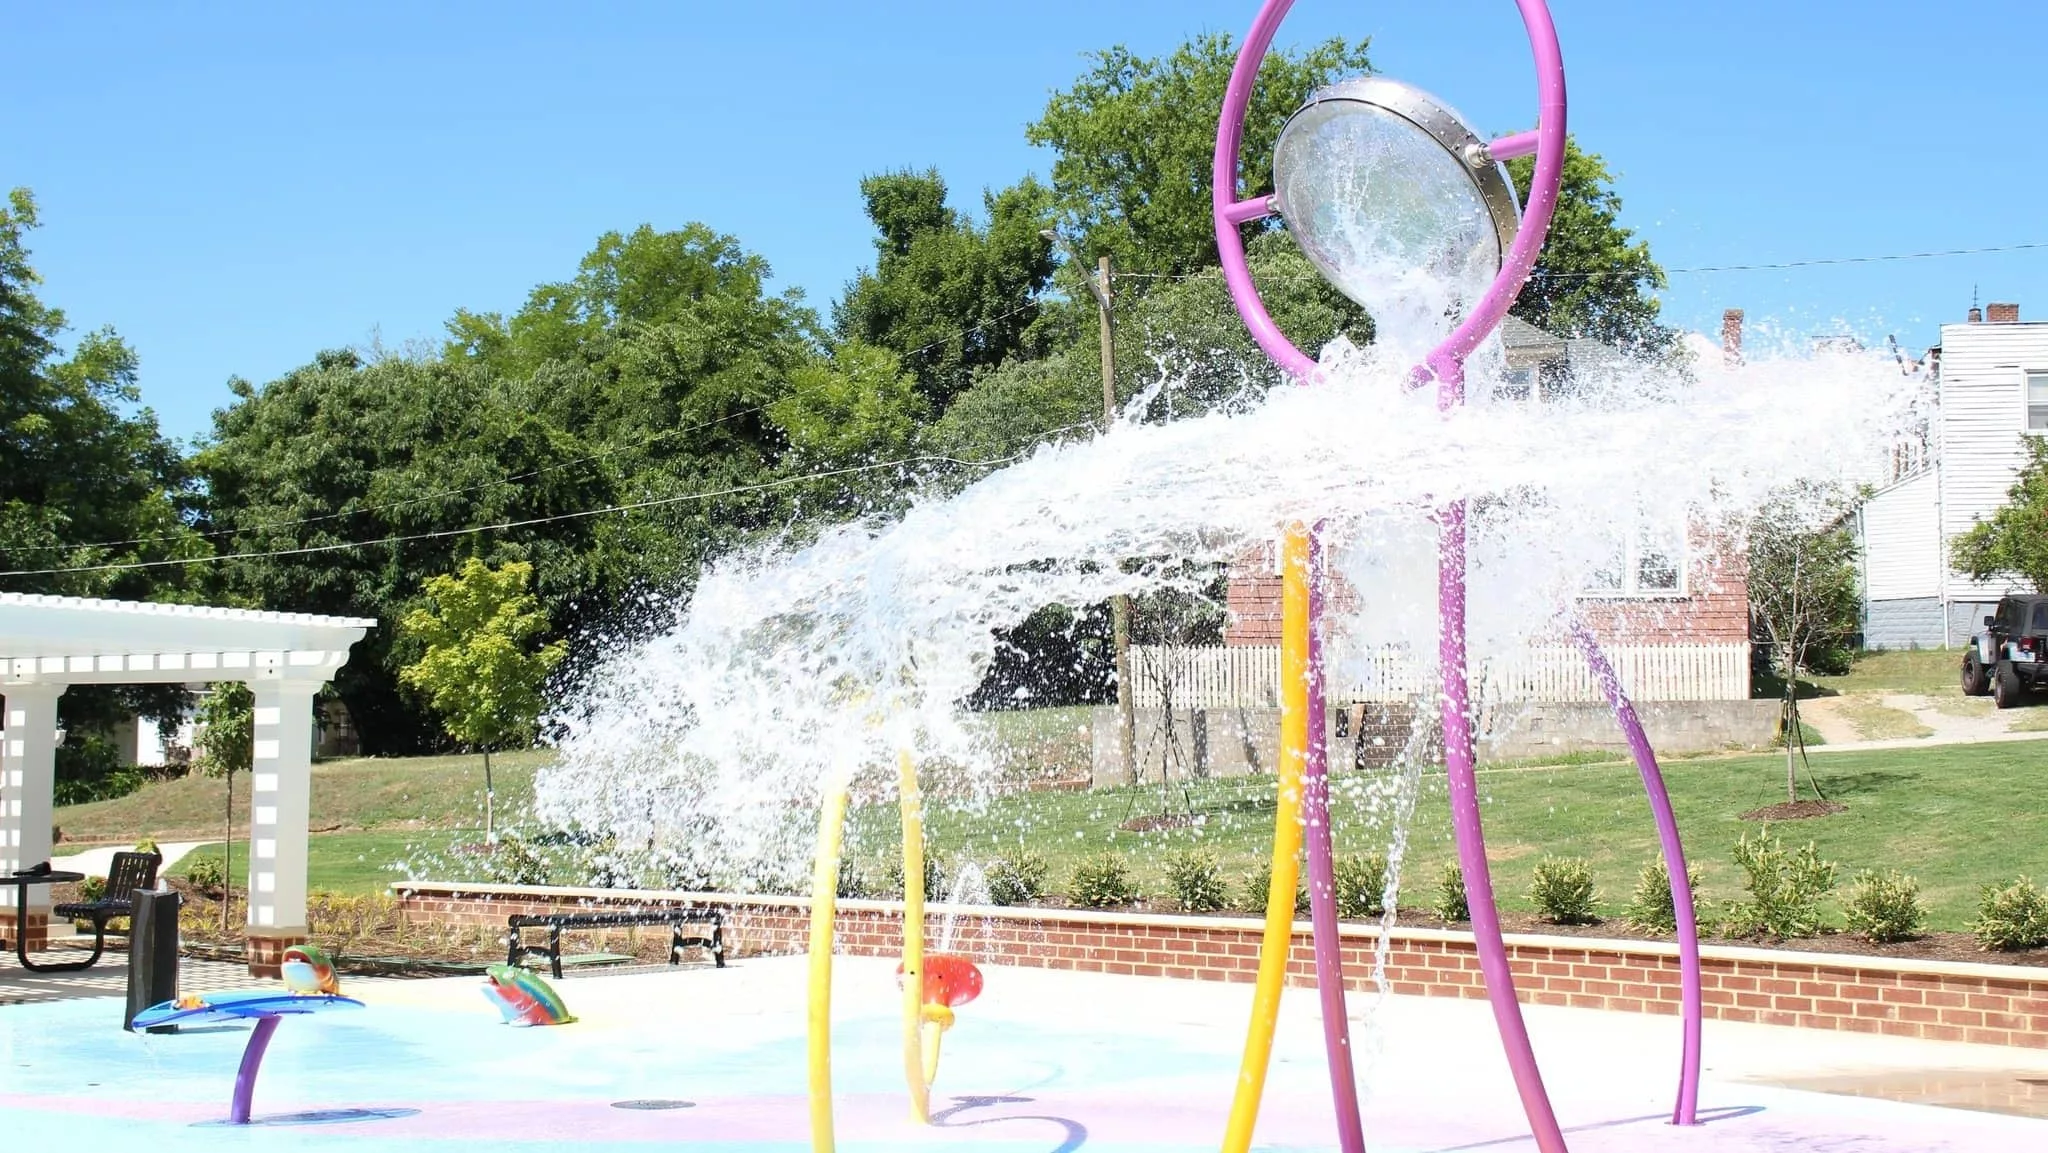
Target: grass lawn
{"x":1876,"y":722}
{"x":1927,"y":672}
{"x":350,"y":863}
{"x":355,"y":793}
{"x":1953,"y":816}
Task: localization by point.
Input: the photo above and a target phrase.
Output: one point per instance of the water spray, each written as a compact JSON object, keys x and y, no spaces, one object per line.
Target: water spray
{"x":1368,"y":173}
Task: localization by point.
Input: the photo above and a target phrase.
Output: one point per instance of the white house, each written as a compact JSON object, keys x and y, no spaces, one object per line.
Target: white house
{"x":1991,"y":376}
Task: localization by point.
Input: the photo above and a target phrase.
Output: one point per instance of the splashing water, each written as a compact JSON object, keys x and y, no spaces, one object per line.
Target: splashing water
{"x":969,"y":888}
{"x":794,"y":668}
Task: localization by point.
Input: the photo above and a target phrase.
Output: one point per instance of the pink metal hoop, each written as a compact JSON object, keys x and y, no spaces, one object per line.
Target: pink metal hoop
{"x":1520,"y":260}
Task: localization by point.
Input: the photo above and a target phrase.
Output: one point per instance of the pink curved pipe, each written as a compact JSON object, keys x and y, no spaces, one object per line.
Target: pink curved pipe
{"x":1322,"y":871}
{"x":1686,"y":1111}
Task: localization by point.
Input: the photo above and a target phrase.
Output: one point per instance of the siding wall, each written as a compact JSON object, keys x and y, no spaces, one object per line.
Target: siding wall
{"x":1983,"y":415}
{"x":1902,"y":542}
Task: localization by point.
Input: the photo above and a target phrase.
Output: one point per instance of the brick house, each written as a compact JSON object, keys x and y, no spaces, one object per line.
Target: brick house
{"x":1687,"y":594}
{"x":1671,"y":614}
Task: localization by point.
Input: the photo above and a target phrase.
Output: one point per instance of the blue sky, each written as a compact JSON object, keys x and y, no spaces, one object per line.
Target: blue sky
{"x":235,"y":187}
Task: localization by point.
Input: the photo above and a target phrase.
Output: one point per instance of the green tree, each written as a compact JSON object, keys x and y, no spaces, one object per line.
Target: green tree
{"x":482,"y":670}
{"x":1594,"y":278}
{"x":226,"y":741}
{"x":2013,"y":543}
{"x":85,"y":477}
{"x":1803,"y":594}
{"x":949,"y":296}
{"x":1134,"y":137}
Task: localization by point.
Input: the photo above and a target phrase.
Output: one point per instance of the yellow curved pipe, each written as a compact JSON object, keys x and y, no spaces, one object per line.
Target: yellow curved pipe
{"x":824,"y":907}
{"x":1279,"y":936}
{"x":915,"y":1071}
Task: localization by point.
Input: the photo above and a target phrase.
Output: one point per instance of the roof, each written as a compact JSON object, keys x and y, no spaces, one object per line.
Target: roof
{"x":1527,"y":343}
{"x":81,"y":639}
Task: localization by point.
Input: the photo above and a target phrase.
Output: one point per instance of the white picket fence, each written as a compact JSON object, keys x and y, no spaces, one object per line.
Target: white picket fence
{"x":1249,"y":675}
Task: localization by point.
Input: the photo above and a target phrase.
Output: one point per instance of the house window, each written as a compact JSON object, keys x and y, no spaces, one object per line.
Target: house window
{"x":1519,"y":386}
{"x":2037,"y":402}
{"x":1647,"y":564}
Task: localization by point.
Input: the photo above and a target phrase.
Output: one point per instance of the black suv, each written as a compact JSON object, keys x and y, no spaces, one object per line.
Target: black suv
{"x":2011,"y":655}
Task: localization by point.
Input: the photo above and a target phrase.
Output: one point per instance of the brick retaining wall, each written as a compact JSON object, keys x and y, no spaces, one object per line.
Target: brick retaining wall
{"x":1942,"y":1001}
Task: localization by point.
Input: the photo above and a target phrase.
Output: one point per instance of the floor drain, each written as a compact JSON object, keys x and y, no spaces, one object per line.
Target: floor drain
{"x":655,"y":1103}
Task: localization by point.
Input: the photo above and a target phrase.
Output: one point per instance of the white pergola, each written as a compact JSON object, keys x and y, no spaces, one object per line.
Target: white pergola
{"x":48,"y":644}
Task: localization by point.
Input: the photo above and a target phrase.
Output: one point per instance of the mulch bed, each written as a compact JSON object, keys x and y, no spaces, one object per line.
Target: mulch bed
{"x":1795,"y":811}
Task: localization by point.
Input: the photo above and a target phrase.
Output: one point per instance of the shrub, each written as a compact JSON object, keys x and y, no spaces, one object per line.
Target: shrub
{"x":1102,"y":881}
{"x":92,"y":889}
{"x":1785,"y":889}
{"x":1195,"y":879}
{"x":1562,"y":890}
{"x":1885,"y":907}
{"x":147,"y":845}
{"x":90,"y":768}
{"x":514,"y":862}
{"x":853,"y":882}
{"x":1451,"y":903}
{"x":1018,"y":880}
{"x":1258,"y":885}
{"x":208,"y":875}
{"x":934,"y":876}
{"x":1651,"y":908}
{"x":1361,"y":886}
{"x":2012,"y":916}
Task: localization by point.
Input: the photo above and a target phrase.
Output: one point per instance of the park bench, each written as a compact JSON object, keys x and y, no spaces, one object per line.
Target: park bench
{"x":705,"y":927}
{"x":129,"y":872}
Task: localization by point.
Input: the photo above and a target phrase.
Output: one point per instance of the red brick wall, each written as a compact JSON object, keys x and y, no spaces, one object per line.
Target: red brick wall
{"x":1715,"y":611}
{"x":1994,"y":1005}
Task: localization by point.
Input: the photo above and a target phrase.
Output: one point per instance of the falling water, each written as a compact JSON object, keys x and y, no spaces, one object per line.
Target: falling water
{"x":792,"y":667}
{"x":969,"y":888}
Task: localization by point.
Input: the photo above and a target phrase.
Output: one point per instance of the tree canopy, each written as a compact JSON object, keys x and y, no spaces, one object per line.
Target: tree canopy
{"x":661,"y":404}
{"x":2013,"y":542}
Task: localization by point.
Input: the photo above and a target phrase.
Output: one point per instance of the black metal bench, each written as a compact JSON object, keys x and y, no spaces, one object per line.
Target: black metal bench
{"x":705,"y":927}
{"x":129,"y":872}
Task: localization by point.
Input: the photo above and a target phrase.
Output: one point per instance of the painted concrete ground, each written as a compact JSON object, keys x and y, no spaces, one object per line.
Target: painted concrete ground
{"x":1045,"y":1062}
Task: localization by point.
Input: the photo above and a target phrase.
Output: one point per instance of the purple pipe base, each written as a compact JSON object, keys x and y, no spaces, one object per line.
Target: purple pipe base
{"x":1464,"y":788}
{"x":1322,"y":873}
{"x":252,"y":1062}
{"x":1686,"y":1110}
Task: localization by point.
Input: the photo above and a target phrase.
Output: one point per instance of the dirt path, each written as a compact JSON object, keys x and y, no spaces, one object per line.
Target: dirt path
{"x":1905,"y":720}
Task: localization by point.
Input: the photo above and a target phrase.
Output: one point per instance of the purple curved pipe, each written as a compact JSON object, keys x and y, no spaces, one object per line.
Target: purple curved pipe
{"x":1446,"y":363}
{"x":1471,"y":838}
{"x":1322,"y":872}
{"x":1686,"y":1111}
{"x":252,"y":1062}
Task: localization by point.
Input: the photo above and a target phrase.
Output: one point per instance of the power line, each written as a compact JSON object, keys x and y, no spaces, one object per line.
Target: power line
{"x":129,"y":566}
{"x":514,"y":478}
{"x":1817,"y":262}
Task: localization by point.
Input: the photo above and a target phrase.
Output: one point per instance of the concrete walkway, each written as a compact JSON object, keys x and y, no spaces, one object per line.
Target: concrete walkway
{"x":95,"y":862}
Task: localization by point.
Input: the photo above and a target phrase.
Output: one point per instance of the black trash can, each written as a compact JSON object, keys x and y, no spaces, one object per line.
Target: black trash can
{"x":152,"y":954}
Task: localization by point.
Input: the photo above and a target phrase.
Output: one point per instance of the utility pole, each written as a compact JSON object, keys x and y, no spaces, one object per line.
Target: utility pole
{"x":1119,"y":605}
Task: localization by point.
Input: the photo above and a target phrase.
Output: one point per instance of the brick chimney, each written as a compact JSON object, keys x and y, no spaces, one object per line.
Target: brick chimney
{"x":1731,"y":336}
{"x":2002,"y":313}
{"x":1976,"y":315}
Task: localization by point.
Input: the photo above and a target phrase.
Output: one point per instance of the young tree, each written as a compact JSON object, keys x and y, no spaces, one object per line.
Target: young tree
{"x":227,"y":745}
{"x":1802,"y":592}
{"x":480,"y":669}
{"x":2014,"y":542}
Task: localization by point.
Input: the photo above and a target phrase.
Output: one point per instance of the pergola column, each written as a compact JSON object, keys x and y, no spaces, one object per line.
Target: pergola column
{"x":280,"y":803}
{"x":28,"y":770}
